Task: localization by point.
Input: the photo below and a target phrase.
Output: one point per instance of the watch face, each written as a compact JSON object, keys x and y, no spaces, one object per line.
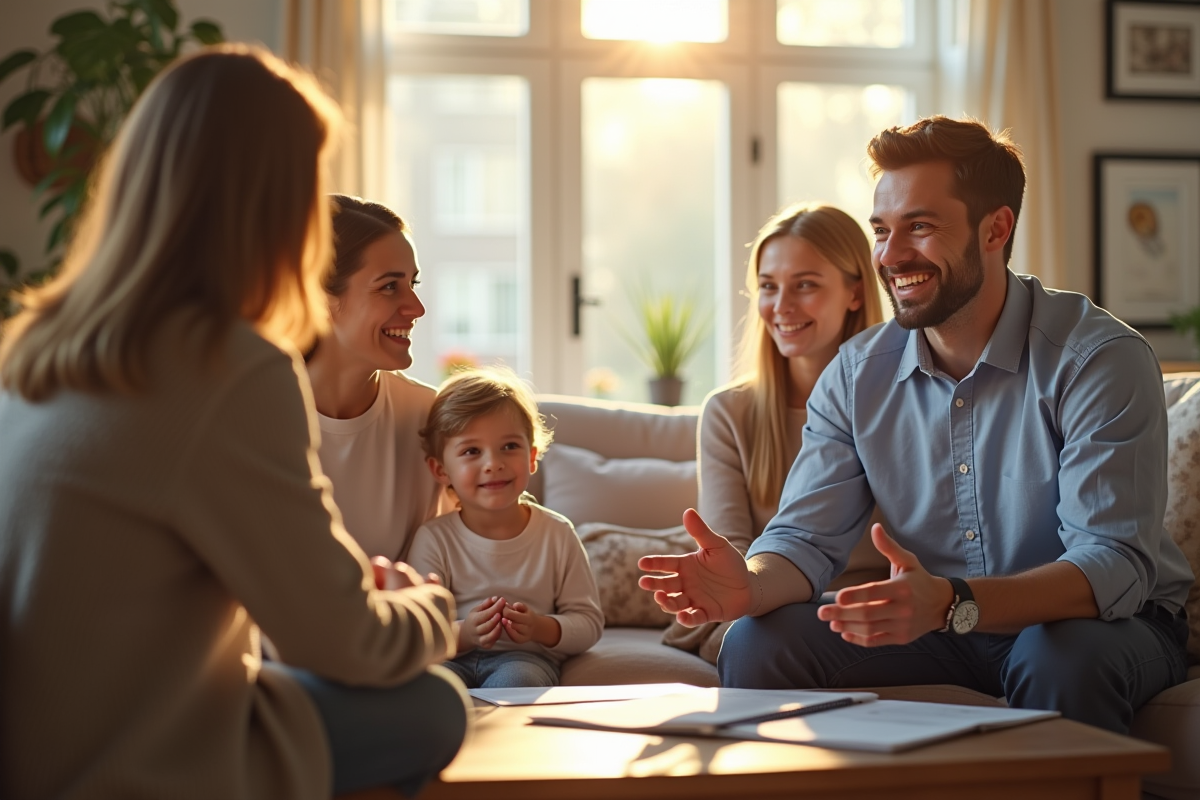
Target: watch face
{"x":966,"y":617}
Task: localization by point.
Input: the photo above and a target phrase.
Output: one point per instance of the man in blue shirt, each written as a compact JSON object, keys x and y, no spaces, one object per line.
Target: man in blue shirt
{"x":1014,"y":438}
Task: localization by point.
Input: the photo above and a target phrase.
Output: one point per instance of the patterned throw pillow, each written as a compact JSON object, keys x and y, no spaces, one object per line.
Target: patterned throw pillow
{"x":613,"y":552}
{"x":1183,"y":497}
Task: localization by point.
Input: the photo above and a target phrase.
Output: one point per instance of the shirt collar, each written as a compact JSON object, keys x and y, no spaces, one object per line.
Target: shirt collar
{"x":1003,"y":350}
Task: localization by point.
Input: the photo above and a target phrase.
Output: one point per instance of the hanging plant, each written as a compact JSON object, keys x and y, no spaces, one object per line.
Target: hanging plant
{"x":79,"y":91}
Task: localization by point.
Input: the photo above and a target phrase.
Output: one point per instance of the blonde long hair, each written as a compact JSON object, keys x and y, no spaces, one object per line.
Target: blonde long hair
{"x":841,"y":240}
{"x":211,"y":202}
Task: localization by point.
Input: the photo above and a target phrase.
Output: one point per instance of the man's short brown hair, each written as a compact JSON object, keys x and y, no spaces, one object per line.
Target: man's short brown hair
{"x":988,"y":169}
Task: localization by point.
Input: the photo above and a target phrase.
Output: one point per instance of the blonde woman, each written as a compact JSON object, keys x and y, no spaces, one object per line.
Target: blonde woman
{"x":160,"y":498}
{"x":812,"y":287}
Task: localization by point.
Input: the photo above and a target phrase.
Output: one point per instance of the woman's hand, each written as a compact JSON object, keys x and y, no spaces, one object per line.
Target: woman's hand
{"x":482,"y":626}
{"x":712,"y":584}
{"x":391,"y":575}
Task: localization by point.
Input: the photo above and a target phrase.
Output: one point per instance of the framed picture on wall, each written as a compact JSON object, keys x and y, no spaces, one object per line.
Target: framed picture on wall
{"x":1154,"y":49}
{"x":1147,"y":235}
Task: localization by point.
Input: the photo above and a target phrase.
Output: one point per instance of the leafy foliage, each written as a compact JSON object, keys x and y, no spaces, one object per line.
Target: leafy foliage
{"x":11,"y":280}
{"x":78,"y":92}
{"x":1188,"y":322}
{"x":671,"y":332}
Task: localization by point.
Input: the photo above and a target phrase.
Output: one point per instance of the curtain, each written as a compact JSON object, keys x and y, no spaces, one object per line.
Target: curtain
{"x":341,"y":43}
{"x":1003,"y":70}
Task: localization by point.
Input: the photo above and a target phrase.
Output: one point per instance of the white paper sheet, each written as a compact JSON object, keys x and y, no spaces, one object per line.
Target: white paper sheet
{"x":887,"y":726}
{"x":697,"y":713}
{"x":861,"y":722}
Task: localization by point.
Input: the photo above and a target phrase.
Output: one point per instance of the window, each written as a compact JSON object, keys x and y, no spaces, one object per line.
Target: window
{"x":656,"y":20}
{"x":461,"y":17}
{"x":560,"y":158}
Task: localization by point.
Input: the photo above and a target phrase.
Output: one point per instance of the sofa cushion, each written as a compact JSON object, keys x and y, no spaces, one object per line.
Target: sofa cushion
{"x":622,"y":430}
{"x":1182,"y":518}
{"x":1172,"y":719}
{"x":634,"y":655}
{"x":613,"y":551}
{"x":584,"y":486}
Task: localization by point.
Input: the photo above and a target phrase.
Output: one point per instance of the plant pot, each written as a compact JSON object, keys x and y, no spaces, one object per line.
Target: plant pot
{"x":33,"y":162}
{"x":666,"y":391}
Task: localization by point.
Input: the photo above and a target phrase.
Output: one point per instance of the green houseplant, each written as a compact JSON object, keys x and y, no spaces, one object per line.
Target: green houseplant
{"x":671,"y":333}
{"x":1188,"y":323}
{"x":76,"y":95}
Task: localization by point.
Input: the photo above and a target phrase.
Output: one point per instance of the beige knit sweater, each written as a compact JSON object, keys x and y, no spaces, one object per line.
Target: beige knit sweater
{"x":143,"y":540}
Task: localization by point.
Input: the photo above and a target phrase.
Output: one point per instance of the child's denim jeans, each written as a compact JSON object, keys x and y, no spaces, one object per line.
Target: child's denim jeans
{"x":486,"y":669}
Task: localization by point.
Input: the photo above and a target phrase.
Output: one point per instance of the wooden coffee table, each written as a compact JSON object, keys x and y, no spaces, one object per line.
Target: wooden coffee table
{"x":507,"y":759}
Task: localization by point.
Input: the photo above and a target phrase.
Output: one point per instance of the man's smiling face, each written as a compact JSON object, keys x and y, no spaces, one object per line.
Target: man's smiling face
{"x":926,"y":252}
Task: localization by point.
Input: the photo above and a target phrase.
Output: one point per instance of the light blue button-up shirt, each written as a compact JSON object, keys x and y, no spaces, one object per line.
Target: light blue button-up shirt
{"x":1053,"y":448}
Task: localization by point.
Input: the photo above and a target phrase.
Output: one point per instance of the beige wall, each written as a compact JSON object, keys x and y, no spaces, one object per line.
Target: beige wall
{"x":26,"y":23}
{"x":1091,"y":123}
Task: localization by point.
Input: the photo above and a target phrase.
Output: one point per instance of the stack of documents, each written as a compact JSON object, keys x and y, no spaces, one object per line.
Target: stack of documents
{"x":840,"y":720}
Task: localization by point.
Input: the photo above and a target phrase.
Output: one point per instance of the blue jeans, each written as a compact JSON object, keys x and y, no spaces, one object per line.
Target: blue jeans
{"x":487,"y":669}
{"x":400,"y":736}
{"x":1092,"y":671}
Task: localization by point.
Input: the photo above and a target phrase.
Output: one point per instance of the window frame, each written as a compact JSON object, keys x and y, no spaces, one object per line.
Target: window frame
{"x":554,"y":57}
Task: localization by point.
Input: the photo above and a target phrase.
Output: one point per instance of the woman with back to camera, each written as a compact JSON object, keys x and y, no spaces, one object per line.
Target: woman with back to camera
{"x":160,"y":495}
{"x":370,"y":413}
{"x":810,"y":281}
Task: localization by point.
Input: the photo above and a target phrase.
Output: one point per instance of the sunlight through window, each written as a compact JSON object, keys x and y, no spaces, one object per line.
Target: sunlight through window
{"x":823,"y":133}
{"x":844,"y":23}
{"x":654,"y":161}
{"x":459,"y":17}
{"x":657,"y":20}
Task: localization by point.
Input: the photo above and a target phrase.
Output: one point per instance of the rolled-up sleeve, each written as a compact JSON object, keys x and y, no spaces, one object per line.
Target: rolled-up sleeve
{"x":826,"y":499}
{"x":1113,"y":473}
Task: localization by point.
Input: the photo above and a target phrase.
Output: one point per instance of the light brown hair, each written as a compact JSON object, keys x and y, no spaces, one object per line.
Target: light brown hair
{"x":989,"y":171}
{"x":210,"y":204}
{"x":842,"y":241}
{"x":473,"y":393}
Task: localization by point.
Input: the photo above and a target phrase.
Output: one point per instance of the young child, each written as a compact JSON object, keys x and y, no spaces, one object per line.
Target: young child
{"x":525,"y":592}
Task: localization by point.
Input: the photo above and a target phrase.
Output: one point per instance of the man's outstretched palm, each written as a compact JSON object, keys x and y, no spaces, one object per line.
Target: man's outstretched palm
{"x":709,"y":585}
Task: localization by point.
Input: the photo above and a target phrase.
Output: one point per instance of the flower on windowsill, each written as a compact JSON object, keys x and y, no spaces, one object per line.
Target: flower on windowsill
{"x":601,"y":382}
{"x":456,"y":361}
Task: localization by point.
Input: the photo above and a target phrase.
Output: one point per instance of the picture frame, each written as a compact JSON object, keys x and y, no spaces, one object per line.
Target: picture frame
{"x":1147,"y":235}
{"x":1153,"y":50}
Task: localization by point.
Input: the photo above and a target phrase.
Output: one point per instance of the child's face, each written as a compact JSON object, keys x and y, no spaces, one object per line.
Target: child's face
{"x":488,"y":465}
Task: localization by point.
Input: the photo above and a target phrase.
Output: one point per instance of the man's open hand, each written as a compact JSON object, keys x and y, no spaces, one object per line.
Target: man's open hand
{"x":712,"y":584}
{"x":897,"y":611}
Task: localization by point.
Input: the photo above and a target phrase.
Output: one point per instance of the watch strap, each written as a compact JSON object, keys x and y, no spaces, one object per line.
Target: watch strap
{"x":962,"y":591}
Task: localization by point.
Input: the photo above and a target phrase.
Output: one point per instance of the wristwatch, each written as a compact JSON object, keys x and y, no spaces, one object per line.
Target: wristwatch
{"x":963,"y":615}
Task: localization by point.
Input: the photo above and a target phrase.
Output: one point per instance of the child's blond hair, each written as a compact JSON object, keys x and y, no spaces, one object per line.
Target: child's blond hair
{"x":474,"y":393}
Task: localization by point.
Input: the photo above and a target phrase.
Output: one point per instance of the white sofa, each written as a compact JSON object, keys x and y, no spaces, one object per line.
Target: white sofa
{"x":624,"y":473}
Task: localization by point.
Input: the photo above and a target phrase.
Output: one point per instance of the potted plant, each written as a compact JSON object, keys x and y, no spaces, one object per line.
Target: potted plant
{"x":78,"y":92}
{"x":671,"y":332}
{"x":1188,"y":323}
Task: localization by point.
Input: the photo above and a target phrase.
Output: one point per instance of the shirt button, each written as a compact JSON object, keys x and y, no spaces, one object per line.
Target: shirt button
{"x":970,"y":536}
{"x":959,"y":402}
{"x":963,"y":468}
